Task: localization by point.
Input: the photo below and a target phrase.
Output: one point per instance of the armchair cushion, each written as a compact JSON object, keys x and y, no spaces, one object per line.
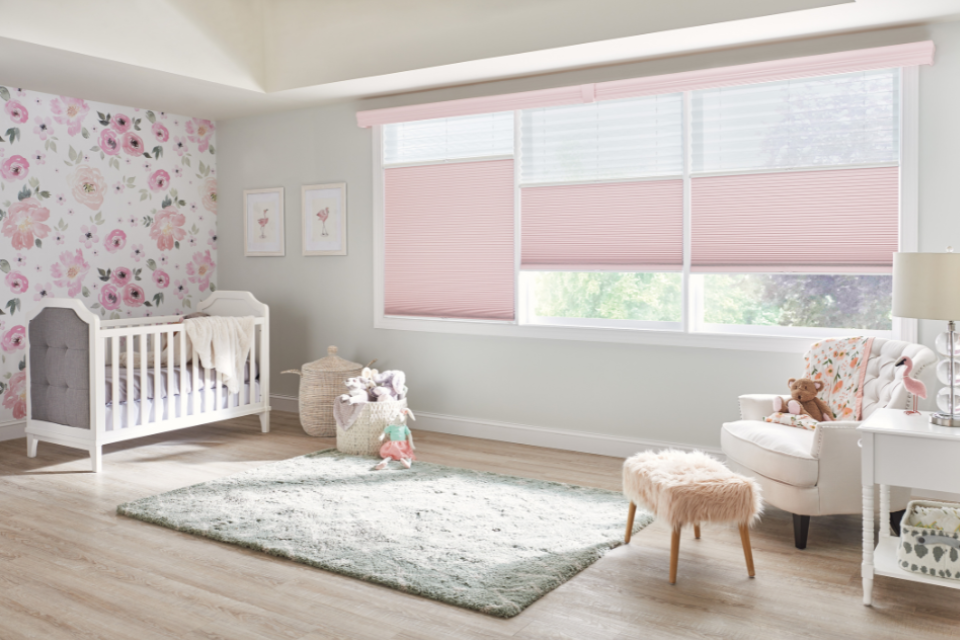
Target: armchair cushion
{"x":757,"y":406}
{"x":776,"y":451}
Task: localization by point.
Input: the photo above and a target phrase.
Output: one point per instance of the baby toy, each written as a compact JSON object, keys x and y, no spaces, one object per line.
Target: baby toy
{"x":373,"y":386}
{"x":804,"y":400}
{"x":399,"y":444}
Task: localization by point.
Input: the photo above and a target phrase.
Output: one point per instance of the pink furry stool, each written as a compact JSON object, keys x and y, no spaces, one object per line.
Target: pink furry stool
{"x":690,"y":488}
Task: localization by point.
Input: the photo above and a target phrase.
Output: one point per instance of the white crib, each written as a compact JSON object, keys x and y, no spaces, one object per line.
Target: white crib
{"x":80,"y":395}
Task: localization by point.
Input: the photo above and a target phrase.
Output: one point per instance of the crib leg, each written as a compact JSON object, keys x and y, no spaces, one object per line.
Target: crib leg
{"x":96,"y":459}
{"x":32,"y":446}
{"x":265,"y":422}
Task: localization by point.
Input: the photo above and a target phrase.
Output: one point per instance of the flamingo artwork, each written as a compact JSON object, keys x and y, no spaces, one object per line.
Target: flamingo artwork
{"x":263,"y":221}
{"x":912,"y":385}
{"x":323,"y":214}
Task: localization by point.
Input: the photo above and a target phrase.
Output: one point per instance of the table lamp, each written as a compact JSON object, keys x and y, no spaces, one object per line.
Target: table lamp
{"x":927,"y":285}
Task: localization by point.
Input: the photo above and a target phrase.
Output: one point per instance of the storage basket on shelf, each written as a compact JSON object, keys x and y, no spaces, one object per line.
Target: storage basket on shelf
{"x":363,"y":437}
{"x":321,"y":382}
{"x":930,"y":539}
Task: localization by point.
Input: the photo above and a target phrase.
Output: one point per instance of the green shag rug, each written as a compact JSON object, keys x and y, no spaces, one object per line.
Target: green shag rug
{"x":483,"y":541}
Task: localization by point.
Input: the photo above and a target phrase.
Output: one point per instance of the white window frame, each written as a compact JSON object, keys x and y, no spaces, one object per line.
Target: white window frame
{"x":692,"y":332}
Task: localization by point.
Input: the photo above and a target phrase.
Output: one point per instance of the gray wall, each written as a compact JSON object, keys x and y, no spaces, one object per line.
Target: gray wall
{"x":676,"y":394}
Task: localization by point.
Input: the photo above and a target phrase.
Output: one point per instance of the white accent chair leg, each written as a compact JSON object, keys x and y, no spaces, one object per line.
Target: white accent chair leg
{"x":96,"y":459}
{"x":32,"y":446}
{"x":866,"y":570}
{"x":265,"y":422}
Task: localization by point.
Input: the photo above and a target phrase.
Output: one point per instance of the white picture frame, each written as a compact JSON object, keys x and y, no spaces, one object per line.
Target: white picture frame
{"x":323,"y":209}
{"x":263,"y":215}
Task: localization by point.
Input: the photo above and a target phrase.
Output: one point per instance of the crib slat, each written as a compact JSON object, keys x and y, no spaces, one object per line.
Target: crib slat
{"x":130,"y":381}
{"x":144,"y":357}
{"x":170,"y":363}
{"x":208,"y":391}
{"x":157,"y":379}
{"x":115,"y":381}
{"x":182,"y":400}
{"x":251,"y":392}
{"x":195,"y":395}
{"x":217,"y":383}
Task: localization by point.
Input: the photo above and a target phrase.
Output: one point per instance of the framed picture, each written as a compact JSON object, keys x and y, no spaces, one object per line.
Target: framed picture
{"x":324,"y":219}
{"x":263,"y":222}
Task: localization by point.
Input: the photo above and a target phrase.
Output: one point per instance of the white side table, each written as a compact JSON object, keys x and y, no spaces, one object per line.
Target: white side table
{"x":902,"y":450}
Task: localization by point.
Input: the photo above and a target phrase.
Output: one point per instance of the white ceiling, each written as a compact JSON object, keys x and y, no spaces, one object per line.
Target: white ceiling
{"x":227,"y":58}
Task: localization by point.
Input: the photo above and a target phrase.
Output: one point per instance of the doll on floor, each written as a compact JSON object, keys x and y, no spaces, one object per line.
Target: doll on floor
{"x":399,"y":444}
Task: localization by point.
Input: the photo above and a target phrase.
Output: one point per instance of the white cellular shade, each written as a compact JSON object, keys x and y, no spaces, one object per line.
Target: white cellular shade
{"x":608,"y":140}
{"x":835,"y":120}
{"x":455,"y":138}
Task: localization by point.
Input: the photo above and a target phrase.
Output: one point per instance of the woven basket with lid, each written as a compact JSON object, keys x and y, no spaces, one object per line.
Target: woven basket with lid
{"x":321,"y":382}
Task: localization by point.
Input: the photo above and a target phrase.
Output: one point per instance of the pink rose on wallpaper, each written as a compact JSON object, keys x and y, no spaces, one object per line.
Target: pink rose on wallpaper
{"x":17,"y":282}
{"x":160,"y":132}
{"x":201,"y":269}
{"x":179,"y":145}
{"x":161,"y":279}
{"x":24,"y":221}
{"x":180,"y":288}
{"x":109,"y":297}
{"x":70,"y":271}
{"x":43,"y":128}
{"x":137,"y":252}
{"x":69,"y":111}
{"x":159,"y":181}
{"x":120,"y":122}
{"x":133,"y":295}
{"x":14,"y":339}
{"x":208,"y":191}
{"x":109,"y":142}
{"x":212,"y":240}
{"x":121,"y":276}
{"x":166,"y":228}
{"x":132,"y":144}
{"x":15,"y":168}
{"x":115,"y":241}
{"x":43,"y":291}
{"x":88,"y":235}
{"x":88,"y":186}
{"x":15,"y":398}
{"x":17,"y":112}
{"x":200,"y":131}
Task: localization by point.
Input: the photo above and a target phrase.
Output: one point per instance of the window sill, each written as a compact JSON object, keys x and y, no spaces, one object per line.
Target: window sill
{"x":703,"y":340}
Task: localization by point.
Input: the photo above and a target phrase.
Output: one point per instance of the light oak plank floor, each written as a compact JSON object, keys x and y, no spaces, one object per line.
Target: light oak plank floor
{"x":71,"y":568}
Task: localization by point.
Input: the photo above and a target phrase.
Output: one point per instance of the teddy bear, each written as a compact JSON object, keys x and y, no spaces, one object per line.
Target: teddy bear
{"x":804,"y":400}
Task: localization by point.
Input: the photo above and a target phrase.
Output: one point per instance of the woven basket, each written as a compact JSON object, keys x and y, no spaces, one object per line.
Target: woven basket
{"x":363,"y":438}
{"x":321,"y":382}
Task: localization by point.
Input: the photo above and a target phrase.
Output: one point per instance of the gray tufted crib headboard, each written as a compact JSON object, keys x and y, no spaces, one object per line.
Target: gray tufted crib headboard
{"x":59,"y":367}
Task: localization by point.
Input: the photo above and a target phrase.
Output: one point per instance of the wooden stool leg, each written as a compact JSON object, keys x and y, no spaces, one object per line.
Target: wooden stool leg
{"x":696,"y":531}
{"x":674,"y":554}
{"x":630,"y":515}
{"x":747,"y":551}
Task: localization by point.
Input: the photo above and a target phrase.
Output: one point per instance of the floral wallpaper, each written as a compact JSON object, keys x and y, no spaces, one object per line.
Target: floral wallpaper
{"x":111,"y":205}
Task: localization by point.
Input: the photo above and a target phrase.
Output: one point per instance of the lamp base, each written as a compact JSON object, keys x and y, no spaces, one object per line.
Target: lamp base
{"x":945,"y":419}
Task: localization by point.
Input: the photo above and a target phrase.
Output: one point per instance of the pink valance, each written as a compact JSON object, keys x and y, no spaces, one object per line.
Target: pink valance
{"x":901,"y":55}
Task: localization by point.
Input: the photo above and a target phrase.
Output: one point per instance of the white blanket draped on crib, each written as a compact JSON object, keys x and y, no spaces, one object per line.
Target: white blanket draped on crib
{"x":222,"y":343}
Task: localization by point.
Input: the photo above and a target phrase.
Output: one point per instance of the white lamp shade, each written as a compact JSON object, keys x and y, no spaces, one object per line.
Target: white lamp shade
{"x":926,"y":285}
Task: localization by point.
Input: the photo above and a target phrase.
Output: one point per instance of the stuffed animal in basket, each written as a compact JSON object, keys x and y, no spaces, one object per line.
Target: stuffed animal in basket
{"x":804,"y":401}
{"x":399,"y":442}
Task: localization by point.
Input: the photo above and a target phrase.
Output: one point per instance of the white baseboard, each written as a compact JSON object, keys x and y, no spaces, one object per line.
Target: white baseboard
{"x":285,"y":403}
{"x":581,"y":441}
{"x":12,"y":430}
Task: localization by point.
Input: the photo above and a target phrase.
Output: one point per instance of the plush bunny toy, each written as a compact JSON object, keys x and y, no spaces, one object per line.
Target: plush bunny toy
{"x":399,"y":443}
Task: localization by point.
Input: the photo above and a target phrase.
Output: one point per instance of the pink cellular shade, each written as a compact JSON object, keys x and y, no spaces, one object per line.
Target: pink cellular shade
{"x":827,"y":221}
{"x":900,"y":55}
{"x":624,"y":226}
{"x":449,"y":241}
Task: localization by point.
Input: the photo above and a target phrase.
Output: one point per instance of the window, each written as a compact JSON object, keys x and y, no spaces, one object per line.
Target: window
{"x":762,"y":208}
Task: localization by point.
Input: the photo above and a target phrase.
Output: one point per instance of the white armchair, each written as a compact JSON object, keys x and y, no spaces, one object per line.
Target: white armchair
{"x":815,"y":473}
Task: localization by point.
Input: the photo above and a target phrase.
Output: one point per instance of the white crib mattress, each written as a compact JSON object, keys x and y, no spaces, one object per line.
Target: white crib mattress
{"x":195,"y":403}
{"x":201,"y":379}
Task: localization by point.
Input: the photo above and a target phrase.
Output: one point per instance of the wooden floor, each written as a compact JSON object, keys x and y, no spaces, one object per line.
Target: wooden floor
{"x":71,"y":568}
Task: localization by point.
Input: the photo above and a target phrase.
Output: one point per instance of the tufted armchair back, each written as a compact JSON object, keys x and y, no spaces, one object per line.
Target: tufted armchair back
{"x":883,"y":384}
